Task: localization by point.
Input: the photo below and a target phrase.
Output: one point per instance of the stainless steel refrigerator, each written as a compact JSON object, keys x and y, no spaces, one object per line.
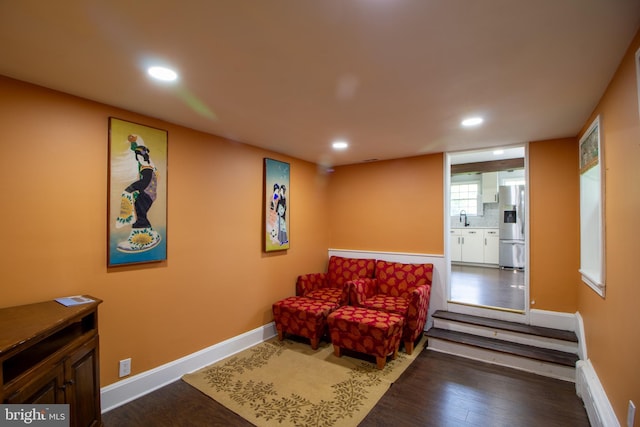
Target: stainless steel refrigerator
{"x":511,"y":211}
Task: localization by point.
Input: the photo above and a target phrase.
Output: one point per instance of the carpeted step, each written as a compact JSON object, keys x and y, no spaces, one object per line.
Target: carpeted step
{"x":522,"y":350}
{"x":507,"y":326}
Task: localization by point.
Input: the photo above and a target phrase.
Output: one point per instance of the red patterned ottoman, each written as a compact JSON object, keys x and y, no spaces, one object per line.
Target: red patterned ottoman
{"x":373,"y":332}
{"x":302,"y":316}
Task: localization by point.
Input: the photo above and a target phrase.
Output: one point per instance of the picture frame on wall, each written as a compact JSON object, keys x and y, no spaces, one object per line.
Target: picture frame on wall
{"x":590,"y":147}
{"x":137,"y":193}
{"x":276,"y":208}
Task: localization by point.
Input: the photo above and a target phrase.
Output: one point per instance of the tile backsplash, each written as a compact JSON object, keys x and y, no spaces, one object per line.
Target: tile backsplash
{"x":489,"y":218}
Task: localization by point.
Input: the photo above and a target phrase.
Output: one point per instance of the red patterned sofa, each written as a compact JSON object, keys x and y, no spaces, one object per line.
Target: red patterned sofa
{"x":404,"y":289}
{"x":332,"y":285}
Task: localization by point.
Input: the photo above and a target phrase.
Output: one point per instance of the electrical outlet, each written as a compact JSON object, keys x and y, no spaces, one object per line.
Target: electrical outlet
{"x":631,"y":414}
{"x":125,"y":367}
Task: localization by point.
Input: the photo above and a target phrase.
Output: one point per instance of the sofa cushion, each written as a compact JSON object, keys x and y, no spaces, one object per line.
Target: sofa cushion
{"x":398,"y":280}
{"x":341,"y":270}
{"x":387,"y":303}
{"x":333,"y":295}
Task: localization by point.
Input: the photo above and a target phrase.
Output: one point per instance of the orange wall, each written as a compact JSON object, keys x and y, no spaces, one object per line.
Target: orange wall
{"x":397,"y":206}
{"x":611,"y":324}
{"x":554,"y":252}
{"x":394,"y":205}
{"x":216,"y":283}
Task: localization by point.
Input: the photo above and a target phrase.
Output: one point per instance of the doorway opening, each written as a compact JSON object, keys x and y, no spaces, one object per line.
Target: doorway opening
{"x":488,"y":229}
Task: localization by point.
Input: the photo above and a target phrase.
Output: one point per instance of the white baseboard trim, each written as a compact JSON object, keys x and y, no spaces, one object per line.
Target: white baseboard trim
{"x":582,"y":339}
{"x":595,"y":400}
{"x":553,"y":319}
{"x":404,"y":257}
{"x":125,"y":391}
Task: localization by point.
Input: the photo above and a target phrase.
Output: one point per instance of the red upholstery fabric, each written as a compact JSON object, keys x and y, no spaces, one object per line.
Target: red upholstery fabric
{"x":332,"y":285}
{"x":397,"y":288}
{"x":399,"y":280}
{"x":333,"y":295}
{"x":341,"y":270}
{"x":302,"y":316}
{"x":373,"y":332}
{"x":387,"y":303}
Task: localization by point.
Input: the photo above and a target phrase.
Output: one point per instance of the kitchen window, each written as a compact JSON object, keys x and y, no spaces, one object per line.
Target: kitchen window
{"x":464,"y":197}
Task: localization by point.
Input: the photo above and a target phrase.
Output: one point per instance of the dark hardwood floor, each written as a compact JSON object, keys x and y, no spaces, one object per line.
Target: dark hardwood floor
{"x":487,"y":286}
{"x":437,"y":390}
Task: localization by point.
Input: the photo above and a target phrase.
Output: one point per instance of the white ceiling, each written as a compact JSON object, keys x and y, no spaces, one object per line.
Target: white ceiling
{"x":393,"y":77}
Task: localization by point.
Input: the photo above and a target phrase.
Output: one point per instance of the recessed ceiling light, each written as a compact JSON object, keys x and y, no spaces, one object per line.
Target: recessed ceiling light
{"x":472,"y":121}
{"x":339,"y":145}
{"x":162,"y":73}
{"x":498,"y":152}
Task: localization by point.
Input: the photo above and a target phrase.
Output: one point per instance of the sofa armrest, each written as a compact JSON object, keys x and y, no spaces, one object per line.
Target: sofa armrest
{"x":418,"y":307}
{"x":361,"y":289}
{"x":310,"y":282}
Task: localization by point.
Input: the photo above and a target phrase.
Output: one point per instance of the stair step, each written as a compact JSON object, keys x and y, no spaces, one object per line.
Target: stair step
{"x":522,"y":350}
{"x":507,"y":326}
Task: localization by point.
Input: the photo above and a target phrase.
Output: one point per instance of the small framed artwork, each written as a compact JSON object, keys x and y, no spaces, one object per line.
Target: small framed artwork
{"x":590,"y":147}
{"x":137,"y":194}
{"x":276,"y":196}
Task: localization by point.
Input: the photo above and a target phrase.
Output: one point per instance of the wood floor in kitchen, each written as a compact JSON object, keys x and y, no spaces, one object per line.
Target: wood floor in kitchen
{"x":486,"y":286}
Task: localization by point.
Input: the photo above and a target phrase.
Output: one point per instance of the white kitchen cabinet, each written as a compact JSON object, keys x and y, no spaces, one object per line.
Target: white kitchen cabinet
{"x":490,"y":187}
{"x":472,"y":245}
{"x":467,"y":245}
{"x":491,"y":246}
{"x":455,"y":246}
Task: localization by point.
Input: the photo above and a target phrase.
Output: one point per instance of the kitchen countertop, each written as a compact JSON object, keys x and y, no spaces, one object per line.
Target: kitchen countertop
{"x":471,"y":226}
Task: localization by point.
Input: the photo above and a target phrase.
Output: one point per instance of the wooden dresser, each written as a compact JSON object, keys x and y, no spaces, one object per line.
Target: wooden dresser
{"x":49,"y":354}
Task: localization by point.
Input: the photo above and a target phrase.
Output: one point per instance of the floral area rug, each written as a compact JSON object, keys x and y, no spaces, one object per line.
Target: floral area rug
{"x":286,"y":383}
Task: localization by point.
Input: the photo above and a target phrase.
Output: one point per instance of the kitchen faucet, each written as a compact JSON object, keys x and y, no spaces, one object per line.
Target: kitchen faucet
{"x":463,"y":213}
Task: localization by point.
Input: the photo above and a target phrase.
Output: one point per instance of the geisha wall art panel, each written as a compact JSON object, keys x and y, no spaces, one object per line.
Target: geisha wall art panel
{"x":137,"y":191}
{"x":276,"y":196}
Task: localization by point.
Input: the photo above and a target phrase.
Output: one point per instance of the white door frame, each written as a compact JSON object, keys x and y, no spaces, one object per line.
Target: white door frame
{"x":523,"y":317}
